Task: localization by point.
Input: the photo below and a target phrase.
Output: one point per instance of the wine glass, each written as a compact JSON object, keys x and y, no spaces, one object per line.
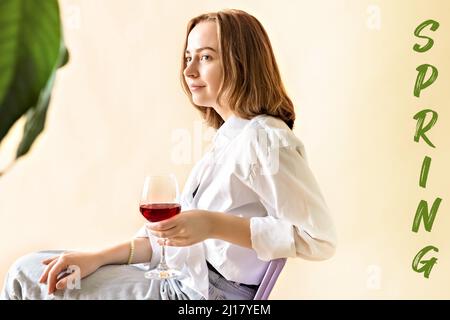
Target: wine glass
{"x":159,"y":201}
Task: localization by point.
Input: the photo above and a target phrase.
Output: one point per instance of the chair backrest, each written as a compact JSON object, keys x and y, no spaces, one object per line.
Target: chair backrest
{"x":269,"y":279}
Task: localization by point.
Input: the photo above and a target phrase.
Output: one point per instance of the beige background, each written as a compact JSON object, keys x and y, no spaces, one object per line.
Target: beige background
{"x":349,"y":67}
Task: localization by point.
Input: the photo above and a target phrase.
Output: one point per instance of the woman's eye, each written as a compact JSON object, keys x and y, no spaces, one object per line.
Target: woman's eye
{"x":203,"y":57}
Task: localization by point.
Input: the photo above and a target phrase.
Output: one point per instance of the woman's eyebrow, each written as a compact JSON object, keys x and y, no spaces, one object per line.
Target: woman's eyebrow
{"x":201,"y":49}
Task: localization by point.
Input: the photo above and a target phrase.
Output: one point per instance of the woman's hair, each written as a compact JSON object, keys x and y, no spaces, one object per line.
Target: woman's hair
{"x":251,"y":82}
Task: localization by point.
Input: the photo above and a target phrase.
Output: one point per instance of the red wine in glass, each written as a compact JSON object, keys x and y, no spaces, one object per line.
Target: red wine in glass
{"x":159,"y":211}
{"x":160,"y":201}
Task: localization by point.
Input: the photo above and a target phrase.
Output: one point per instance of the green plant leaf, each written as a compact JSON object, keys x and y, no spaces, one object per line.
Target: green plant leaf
{"x":31,"y":51}
{"x":36,"y":116}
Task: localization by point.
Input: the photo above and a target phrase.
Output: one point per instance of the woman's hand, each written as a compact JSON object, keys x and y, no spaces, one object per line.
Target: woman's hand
{"x":184,"y":229}
{"x":87,"y":263}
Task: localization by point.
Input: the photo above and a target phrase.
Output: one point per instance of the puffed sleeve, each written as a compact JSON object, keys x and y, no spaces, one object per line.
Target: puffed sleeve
{"x":298,"y":223}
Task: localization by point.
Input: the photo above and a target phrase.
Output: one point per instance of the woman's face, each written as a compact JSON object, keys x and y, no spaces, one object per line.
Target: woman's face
{"x":203,"y":72}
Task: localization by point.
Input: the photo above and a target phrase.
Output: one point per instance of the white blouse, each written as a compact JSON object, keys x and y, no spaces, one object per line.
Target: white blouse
{"x":255,"y":169}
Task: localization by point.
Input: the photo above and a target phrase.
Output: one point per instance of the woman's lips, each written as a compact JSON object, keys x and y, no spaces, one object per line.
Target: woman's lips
{"x":196,"y":88}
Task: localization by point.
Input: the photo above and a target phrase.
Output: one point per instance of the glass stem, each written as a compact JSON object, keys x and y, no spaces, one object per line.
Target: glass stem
{"x":162,"y":263}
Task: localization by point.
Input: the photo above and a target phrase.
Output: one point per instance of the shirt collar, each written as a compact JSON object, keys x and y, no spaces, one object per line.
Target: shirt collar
{"x":230,"y":129}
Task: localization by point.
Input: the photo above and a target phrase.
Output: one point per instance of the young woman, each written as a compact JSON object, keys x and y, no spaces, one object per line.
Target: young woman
{"x":250,"y":199}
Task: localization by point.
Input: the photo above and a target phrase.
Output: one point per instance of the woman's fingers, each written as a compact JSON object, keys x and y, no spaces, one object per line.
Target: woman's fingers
{"x":44,"y":275}
{"x":167,"y":233}
{"x":164,"y":224}
{"x":62,"y":283}
{"x":53,"y":274}
{"x":72,"y":278}
{"x":48,"y":260}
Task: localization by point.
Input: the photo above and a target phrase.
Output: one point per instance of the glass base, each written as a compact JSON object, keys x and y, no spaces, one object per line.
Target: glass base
{"x":159,"y":274}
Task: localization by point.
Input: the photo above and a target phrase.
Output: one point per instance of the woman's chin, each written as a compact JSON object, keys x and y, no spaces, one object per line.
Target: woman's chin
{"x":200,"y":102}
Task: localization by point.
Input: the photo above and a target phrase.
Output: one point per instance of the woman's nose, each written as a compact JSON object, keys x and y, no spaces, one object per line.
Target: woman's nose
{"x":191,"y":70}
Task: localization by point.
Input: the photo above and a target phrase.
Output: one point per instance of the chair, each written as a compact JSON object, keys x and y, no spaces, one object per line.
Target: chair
{"x":269,"y":279}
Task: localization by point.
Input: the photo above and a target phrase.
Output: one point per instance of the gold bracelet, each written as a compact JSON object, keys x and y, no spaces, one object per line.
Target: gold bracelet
{"x":130,"y":257}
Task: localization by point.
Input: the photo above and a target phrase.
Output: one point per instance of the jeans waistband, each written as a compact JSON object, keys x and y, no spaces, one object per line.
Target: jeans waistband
{"x":251,"y":286}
